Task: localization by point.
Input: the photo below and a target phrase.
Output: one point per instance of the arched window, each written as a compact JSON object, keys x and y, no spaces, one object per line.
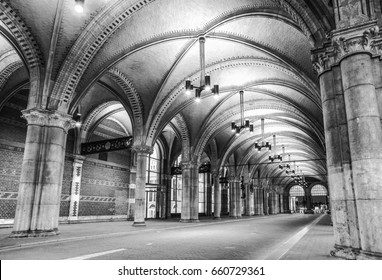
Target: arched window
{"x":153,"y":167}
{"x":296,"y":191}
{"x":319,"y":190}
{"x":176,"y":189}
{"x":153,"y":178}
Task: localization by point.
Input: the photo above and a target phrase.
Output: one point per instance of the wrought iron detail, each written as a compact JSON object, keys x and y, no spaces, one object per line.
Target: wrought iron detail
{"x":204,"y":168}
{"x":176,"y":170}
{"x":106,"y":145}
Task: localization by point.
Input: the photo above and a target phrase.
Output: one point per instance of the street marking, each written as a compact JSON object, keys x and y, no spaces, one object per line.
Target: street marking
{"x":280,"y":251}
{"x":149,"y":244}
{"x":90,"y":256}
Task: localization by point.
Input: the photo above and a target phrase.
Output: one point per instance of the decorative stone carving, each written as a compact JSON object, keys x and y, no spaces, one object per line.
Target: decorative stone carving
{"x":43,"y":117}
{"x":343,"y":43}
{"x":189,"y":164}
{"x":144,"y":149}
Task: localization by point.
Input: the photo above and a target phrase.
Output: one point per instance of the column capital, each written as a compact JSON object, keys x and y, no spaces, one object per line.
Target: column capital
{"x":342,"y":43}
{"x":78,"y":158}
{"x":144,"y":149}
{"x":42,"y":117}
{"x":189,"y":164}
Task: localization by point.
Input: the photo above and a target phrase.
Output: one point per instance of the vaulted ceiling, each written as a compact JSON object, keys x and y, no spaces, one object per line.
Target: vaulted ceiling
{"x":128,"y":61}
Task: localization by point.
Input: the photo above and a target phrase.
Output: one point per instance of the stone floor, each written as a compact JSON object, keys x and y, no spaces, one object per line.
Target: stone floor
{"x":284,"y":236}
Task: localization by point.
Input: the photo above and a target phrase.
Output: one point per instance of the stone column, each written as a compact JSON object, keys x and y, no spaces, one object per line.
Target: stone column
{"x":38,"y":202}
{"x":286,"y":203}
{"x":365,"y":138}
{"x":209,"y":195}
{"x":250,"y":203}
{"x":76,"y":187}
{"x":190,"y":192}
{"x":217,"y":195}
{"x":168,"y":195}
{"x":353,"y":135}
{"x":194,"y":204}
{"x":232,"y":197}
{"x":338,"y":161}
{"x":277,"y":203}
{"x":224,"y":202}
{"x":281,"y":198}
{"x":271,"y":203}
{"x":261,"y":201}
{"x":166,"y":189}
{"x":140,"y":184}
{"x":238,"y":198}
{"x":265,"y":202}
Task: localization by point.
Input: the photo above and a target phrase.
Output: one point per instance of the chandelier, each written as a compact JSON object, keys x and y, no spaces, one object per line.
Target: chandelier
{"x":244,"y":124}
{"x":205,"y":80}
{"x":296,"y":173}
{"x":275,"y":156}
{"x":263,"y":144}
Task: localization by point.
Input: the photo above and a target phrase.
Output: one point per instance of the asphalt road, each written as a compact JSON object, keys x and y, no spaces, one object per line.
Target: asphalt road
{"x":250,"y":238}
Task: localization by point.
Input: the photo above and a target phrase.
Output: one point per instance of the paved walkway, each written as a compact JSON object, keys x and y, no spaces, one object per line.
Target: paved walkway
{"x":284,"y":236}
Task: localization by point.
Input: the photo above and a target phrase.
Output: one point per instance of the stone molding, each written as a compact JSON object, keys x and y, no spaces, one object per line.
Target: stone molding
{"x":41,"y":117}
{"x":190,"y":164}
{"x":143,"y":149}
{"x":346,"y":42}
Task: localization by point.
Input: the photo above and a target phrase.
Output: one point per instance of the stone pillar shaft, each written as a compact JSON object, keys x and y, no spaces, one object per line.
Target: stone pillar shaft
{"x":250,"y":203}
{"x":265,"y":202}
{"x":260,"y":201}
{"x":232,"y":198}
{"x":217,"y":196}
{"x":337,"y":153}
{"x":38,"y":203}
{"x":140,"y":186}
{"x":365,"y":138}
{"x":238,"y":198}
{"x":190,"y":192}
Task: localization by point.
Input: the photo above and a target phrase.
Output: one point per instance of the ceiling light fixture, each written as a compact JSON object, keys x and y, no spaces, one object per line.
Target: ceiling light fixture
{"x":79,"y":6}
{"x":275,"y":156}
{"x":205,"y":80}
{"x":296,"y":173}
{"x":265,"y":145}
{"x":244,"y":124}
{"x":77,"y":119}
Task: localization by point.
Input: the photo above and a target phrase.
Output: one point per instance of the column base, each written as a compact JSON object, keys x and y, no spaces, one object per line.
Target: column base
{"x":34,"y":233}
{"x":344,"y":252}
{"x":189,"y":220}
{"x":367,"y":255}
{"x":217,"y":218}
{"x":139,"y":224}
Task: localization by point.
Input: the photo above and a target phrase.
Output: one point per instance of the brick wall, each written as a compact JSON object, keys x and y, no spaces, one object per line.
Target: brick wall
{"x":104,"y":189}
{"x":105,"y":184}
{"x":10,"y":169}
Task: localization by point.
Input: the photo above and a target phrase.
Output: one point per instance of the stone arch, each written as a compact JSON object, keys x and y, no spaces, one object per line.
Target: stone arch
{"x":132,"y":96}
{"x":89,"y":119}
{"x":8,"y":70}
{"x":22,"y":39}
{"x":209,"y":131}
{"x":98,"y":31}
{"x":21,"y":36}
{"x":159,"y":118}
{"x":185,"y":136}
